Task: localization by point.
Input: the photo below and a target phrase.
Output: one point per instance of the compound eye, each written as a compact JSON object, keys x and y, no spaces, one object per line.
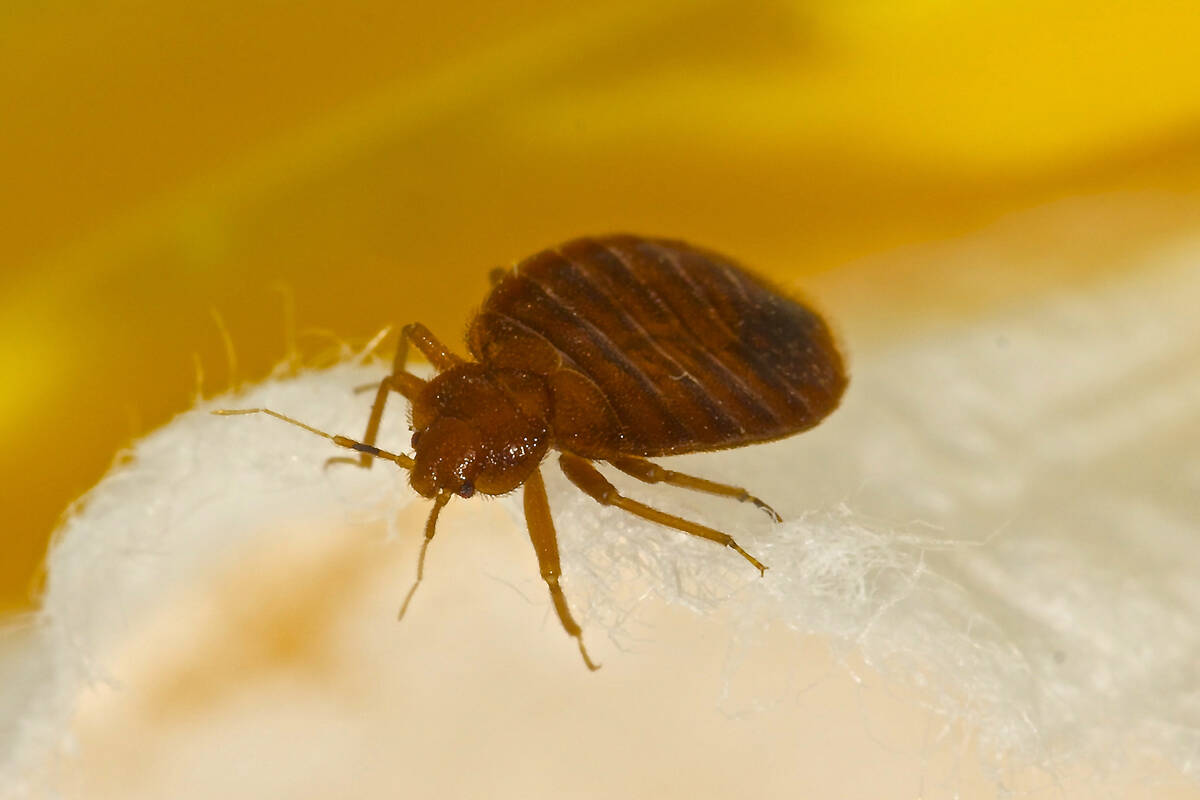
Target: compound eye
{"x":416,"y":438}
{"x":467,"y":489}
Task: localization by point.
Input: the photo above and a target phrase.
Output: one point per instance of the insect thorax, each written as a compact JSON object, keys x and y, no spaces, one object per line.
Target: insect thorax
{"x":476,"y":429}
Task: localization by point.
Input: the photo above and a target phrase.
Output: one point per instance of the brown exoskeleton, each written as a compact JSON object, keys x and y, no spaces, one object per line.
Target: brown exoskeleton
{"x":611,"y":349}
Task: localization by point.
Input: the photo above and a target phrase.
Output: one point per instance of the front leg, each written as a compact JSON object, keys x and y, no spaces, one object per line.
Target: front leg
{"x":545,"y":544}
{"x":437,"y":353}
{"x":402,"y":381}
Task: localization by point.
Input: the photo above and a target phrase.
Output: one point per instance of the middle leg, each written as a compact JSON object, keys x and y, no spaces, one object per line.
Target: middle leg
{"x":581,"y":473}
{"x":650,"y":472}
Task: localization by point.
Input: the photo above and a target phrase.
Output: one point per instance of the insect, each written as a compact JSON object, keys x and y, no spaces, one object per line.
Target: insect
{"x":610,"y":349}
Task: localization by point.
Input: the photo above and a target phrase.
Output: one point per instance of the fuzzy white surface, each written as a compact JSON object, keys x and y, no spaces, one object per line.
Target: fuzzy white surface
{"x":1004,"y":515}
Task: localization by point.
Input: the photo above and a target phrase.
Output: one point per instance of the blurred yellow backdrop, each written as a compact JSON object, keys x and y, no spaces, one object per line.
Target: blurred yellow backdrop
{"x":161,"y":160}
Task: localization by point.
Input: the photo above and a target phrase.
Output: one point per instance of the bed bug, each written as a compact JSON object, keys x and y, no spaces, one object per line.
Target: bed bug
{"x":610,"y":349}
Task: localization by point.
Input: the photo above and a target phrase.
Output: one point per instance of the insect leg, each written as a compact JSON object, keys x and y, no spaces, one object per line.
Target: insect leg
{"x":430,"y":347}
{"x":400,"y":381}
{"x":652,"y":473}
{"x":545,"y":544}
{"x":581,"y":473}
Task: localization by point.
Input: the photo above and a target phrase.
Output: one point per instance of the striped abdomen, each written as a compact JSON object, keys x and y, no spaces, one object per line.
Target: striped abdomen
{"x":684,"y":349}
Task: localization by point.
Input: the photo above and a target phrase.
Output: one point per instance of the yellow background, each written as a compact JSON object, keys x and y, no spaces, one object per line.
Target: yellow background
{"x":161,"y":160}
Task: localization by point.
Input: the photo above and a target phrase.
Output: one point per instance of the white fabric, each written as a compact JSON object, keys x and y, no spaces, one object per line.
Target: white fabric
{"x":1004,"y":515}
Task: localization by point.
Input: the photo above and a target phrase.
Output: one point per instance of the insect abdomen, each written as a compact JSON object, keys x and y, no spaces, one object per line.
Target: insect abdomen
{"x":690,"y":351}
